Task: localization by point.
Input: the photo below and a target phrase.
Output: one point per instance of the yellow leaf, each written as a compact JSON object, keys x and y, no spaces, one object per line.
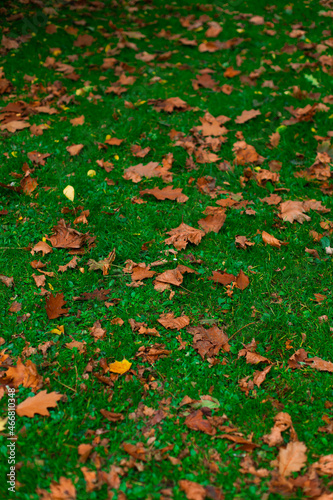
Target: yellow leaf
{"x":120,"y":366}
{"x":3,"y":422}
{"x":116,"y":157}
{"x":50,"y":286}
{"x":58,"y":330}
{"x":69,"y":192}
{"x":91,"y":173}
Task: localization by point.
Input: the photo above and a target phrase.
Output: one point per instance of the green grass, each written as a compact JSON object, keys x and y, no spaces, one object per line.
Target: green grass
{"x":47,"y":447}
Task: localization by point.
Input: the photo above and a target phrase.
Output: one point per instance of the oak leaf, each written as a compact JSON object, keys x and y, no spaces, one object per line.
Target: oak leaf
{"x":38,"y":404}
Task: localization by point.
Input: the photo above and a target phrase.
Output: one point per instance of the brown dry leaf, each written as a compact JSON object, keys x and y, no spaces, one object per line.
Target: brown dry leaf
{"x":209,"y":342}
{"x":169,"y":277}
{"x":74,"y":149}
{"x":103,"y":265}
{"x":136,"y":451}
{"x":273,"y":199}
{"x":64,"y":490}
{"x":21,"y":374}
{"x":260,"y":376}
{"x":192,"y":490}
{"x":293,"y":210}
{"x":274,"y":139}
{"x":250,"y":355}
{"x":8,"y":281}
{"x":152,"y":353}
{"x":214,"y":221}
{"x":28,"y":184}
{"x":43,"y":247}
{"x":84,"y":40}
{"x":196,"y":422}
{"x":82,"y":218}
{"x":247,"y":115}
{"x":223,"y":278}
{"x":111,"y":416}
{"x":84,"y":451}
{"x":38,"y":158}
{"x":282,"y":423}
{"x":15,"y":307}
{"x":137,"y":151}
{"x":170,"y":322}
{"x":243,"y":242}
{"x":242,"y":281}
{"x":38,"y":404}
{"x":300,"y":360}
{"x":54,"y":305}
{"x":169,"y":105}
{"x":151,"y":169}
{"x":15,"y":125}
{"x":210,"y":46}
{"x":269,"y":239}
{"x":245,"y":153}
{"x":77,"y":121}
{"x":292,"y":458}
{"x":167,"y":193}
{"x":114,"y":141}
{"x":184,"y":234}
{"x":97,"y":331}
{"x":100,"y":295}
{"x":70,"y":265}
{"x":39,"y":280}
{"x":324,"y":466}
{"x":66,"y":237}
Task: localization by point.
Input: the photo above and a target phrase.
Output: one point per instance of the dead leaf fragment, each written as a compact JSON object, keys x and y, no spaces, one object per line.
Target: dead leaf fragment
{"x":182,"y":235}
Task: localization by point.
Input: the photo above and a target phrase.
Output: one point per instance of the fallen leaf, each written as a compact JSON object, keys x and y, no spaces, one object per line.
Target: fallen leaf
{"x":54,"y":305}
{"x":170,"y":322}
{"x":120,"y":366}
{"x":38,"y":404}
{"x":182,"y":235}
{"x":292,"y":458}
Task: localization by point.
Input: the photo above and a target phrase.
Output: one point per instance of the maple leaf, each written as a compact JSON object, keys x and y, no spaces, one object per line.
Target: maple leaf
{"x":292,"y":458}
{"x":293,"y":210}
{"x":54,"y":305}
{"x":182,"y":235}
{"x":170,"y":322}
{"x":38,"y":404}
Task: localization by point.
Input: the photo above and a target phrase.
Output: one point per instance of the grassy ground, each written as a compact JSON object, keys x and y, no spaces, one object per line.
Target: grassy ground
{"x":279,"y":307}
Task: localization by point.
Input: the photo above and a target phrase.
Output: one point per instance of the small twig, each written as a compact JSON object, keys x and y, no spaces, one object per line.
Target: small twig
{"x":253,"y":322}
{"x":71,"y":388}
{"x":14,"y":248}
